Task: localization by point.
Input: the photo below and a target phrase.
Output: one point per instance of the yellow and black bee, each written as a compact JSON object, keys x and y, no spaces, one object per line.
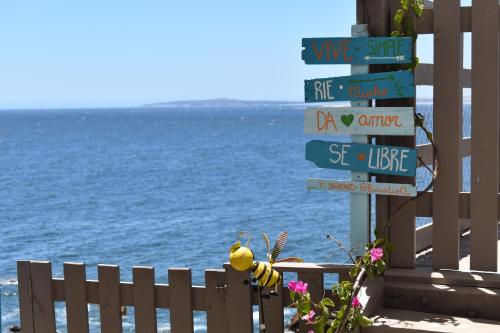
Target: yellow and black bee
{"x":241,"y":258}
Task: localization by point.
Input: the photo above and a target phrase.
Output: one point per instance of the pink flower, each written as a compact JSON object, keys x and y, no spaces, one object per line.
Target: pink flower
{"x":309,"y":317}
{"x":310,"y":331}
{"x":355,"y":302}
{"x":301,"y":287}
{"x":376,"y":254}
{"x":298,"y":287}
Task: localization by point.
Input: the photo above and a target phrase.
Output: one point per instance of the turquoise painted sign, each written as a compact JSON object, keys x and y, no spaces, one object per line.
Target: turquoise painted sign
{"x":358,"y":157}
{"x":357,"y":51}
{"x":361,"y":87}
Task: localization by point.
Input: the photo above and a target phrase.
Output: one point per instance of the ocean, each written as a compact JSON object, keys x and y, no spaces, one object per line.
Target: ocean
{"x":166,"y":187}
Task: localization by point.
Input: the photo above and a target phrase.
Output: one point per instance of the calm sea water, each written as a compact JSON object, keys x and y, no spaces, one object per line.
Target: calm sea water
{"x":162,"y":187}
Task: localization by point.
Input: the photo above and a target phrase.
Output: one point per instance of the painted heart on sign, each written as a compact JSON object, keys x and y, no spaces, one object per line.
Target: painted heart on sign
{"x":347,"y":119}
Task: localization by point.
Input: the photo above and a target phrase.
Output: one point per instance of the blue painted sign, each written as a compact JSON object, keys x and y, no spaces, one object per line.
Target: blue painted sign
{"x":357,"y":51}
{"x":361,"y":87}
{"x":368,"y":158}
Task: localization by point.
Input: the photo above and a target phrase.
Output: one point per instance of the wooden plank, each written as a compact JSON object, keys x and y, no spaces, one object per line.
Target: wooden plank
{"x":240,"y":312}
{"x":361,"y":87}
{"x":359,"y":204}
{"x":181,"y":306}
{"x":357,"y":51}
{"x":448,"y":60}
{"x":216,"y":284}
{"x":485,"y":135}
{"x":144,"y":299}
{"x":359,"y":120}
{"x":424,"y":76}
{"x":424,"y":234}
{"x":425,"y":151}
{"x":425,"y":24}
{"x":392,"y":160}
{"x":362,"y":187}
{"x":25,"y":296}
{"x":315,"y":288}
{"x":109,"y":298}
{"x":43,"y":304}
{"x":402,"y":223}
{"x":272,"y":308}
{"x":77,"y":316}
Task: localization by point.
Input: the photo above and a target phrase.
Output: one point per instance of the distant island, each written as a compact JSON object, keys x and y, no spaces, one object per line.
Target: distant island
{"x":219,"y":102}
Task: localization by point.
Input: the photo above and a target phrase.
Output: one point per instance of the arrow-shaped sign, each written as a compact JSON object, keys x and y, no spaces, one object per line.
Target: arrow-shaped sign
{"x":383,"y":85}
{"x":357,"y":51}
{"x":401,"y":161}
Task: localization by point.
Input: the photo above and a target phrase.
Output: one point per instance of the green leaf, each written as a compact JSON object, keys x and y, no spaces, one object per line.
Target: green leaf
{"x":404,"y":4}
{"x":398,"y":17}
{"x":330,"y":330}
{"x":327,"y":302}
{"x":364,"y":321}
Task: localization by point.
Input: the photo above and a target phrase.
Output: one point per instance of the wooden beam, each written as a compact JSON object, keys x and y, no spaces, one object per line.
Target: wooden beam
{"x":425,"y":151}
{"x":485,"y":135}
{"x":424,"y":76}
{"x":447,"y":114}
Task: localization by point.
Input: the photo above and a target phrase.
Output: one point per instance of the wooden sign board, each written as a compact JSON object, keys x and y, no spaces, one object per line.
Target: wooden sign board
{"x":385,"y":85}
{"x":405,"y":190}
{"x":357,"y":51}
{"x":360,"y":120}
{"x":368,"y":158}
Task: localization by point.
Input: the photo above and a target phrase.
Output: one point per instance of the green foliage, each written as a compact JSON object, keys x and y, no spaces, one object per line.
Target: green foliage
{"x":326,"y":319}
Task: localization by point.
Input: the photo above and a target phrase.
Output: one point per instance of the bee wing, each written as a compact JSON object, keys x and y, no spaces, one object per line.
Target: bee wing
{"x":268,"y":245}
{"x":279,"y":245}
{"x":290,"y":259}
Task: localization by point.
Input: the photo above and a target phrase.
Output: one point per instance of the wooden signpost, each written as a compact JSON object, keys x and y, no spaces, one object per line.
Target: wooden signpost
{"x":360,"y":120}
{"x":357,"y":51}
{"x":399,"y":161}
{"x":362,"y":187}
{"x":360,"y":87}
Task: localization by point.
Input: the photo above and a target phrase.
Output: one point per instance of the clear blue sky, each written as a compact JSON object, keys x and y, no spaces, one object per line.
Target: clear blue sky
{"x":123,"y":53}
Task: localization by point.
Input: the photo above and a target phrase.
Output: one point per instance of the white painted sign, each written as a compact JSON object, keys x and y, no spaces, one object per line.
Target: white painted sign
{"x":405,"y":190}
{"x":360,"y":120}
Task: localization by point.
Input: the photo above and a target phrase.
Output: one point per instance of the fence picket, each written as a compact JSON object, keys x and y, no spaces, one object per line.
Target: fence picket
{"x":272,"y":308}
{"x":216,"y":284}
{"x":25,"y":296}
{"x":43,"y":303}
{"x":240,"y":314}
{"x":485,"y":135}
{"x":109,"y":298}
{"x":181,"y":306}
{"x":77,"y":316}
{"x":144,"y":299}
{"x":448,"y":59}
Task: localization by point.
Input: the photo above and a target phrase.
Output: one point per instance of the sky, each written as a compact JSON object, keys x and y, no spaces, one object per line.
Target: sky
{"x":95,"y":53}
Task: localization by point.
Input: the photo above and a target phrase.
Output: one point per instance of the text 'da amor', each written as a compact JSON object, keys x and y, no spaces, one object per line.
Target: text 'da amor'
{"x":386,"y":85}
{"x":360,"y":121}
{"x":358,"y":157}
{"x":406,"y":190}
{"x":357,"y":51}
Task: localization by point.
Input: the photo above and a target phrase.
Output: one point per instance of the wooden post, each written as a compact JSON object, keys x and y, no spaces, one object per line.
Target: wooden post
{"x":181,"y":305}
{"x":485,"y":135}
{"x":25,"y":296}
{"x":43,"y":302}
{"x":144,"y":299}
{"x":109,"y":298}
{"x":216,"y":284}
{"x":77,"y":315}
{"x":448,"y":63}
{"x":240,"y":311}
{"x":360,"y":203}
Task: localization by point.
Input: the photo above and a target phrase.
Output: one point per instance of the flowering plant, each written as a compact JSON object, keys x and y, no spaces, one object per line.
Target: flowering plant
{"x":326,"y":316}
